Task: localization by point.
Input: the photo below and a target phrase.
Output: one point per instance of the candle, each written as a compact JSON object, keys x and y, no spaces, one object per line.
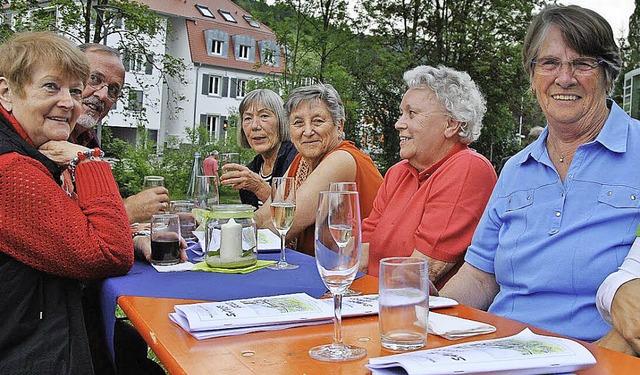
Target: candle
{"x":230,"y":240}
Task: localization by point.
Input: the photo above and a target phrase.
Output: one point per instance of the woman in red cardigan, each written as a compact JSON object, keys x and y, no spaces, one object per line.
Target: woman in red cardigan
{"x":52,"y":237}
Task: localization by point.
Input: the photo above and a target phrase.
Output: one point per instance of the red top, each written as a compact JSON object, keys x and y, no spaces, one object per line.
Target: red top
{"x":43,"y":228}
{"x":368,"y":180}
{"x":435,"y":211}
{"x":210,"y":166}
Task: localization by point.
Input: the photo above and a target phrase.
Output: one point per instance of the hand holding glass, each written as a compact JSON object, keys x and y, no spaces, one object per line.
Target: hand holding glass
{"x":338,"y":245}
{"x":283,"y":206}
{"x":152,"y":181}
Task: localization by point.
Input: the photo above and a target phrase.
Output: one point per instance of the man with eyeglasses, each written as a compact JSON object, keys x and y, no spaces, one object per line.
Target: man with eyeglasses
{"x":101,"y":92}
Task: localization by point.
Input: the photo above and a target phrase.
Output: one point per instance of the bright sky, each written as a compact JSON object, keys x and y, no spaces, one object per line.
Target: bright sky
{"x":617,"y":12}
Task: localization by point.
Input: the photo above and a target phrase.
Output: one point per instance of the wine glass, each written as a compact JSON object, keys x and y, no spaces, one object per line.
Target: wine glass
{"x":283,"y":206}
{"x":338,"y":245}
{"x":344,"y":186}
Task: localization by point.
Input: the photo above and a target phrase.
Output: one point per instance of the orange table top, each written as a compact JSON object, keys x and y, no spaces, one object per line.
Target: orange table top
{"x":285,"y":351}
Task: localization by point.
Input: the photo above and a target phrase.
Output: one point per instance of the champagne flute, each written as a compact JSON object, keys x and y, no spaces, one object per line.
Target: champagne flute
{"x":283,"y":206}
{"x":338,"y":245}
{"x":344,"y":186}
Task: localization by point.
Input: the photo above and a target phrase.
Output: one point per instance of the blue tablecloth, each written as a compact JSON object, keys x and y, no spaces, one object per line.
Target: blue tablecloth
{"x":144,"y":280}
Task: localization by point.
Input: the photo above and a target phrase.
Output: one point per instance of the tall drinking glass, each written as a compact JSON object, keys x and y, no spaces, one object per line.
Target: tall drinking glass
{"x":155,"y":181}
{"x":205,"y":194}
{"x":338,"y":245}
{"x":283,"y":206}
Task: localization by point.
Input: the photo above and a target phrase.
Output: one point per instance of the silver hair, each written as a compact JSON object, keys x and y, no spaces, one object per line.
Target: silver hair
{"x":95,"y":47}
{"x":323,"y":92}
{"x":458,"y":93}
{"x":271,"y":101}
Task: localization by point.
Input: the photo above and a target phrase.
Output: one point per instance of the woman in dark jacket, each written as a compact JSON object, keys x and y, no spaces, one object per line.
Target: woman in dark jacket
{"x":264,"y":128}
{"x":53,"y":235}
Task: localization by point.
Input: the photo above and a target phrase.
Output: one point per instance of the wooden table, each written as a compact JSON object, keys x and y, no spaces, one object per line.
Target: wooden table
{"x":285,"y":351}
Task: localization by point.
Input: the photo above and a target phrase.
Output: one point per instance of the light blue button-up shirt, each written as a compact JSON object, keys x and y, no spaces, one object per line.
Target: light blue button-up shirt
{"x":549,"y":244}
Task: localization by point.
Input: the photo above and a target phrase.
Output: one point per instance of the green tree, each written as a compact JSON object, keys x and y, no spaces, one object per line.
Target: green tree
{"x":482,"y":38}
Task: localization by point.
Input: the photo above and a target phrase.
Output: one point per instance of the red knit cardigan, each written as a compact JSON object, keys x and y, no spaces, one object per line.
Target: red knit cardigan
{"x":42,"y":227}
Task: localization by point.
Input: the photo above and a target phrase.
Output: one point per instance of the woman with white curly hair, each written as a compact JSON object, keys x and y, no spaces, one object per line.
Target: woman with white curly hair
{"x":430,"y":202}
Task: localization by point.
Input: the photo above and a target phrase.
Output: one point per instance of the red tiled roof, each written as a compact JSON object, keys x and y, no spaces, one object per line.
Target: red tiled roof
{"x":197,"y":24}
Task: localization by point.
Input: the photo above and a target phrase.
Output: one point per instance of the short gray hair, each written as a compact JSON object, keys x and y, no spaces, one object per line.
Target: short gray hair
{"x":101,"y":48}
{"x":583,"y":30}
{"x":271,"y":101}
{"x":323,"y":92}
{"x":457,"y":91}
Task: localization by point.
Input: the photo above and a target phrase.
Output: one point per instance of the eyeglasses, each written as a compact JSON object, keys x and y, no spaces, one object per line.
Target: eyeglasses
{"x":97,"y":83}
{"x":580,"y":66}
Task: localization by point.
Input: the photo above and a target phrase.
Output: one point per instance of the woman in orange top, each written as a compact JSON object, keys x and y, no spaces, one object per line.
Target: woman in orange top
{"x":316,"y":121}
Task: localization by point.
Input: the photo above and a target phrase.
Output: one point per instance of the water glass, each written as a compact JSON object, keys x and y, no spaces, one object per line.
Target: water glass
{"x":165,"y":239}
{"x":187,"y":220}
{"x":152,"y":181}
{"x":403,"y":298}
{"x":206,"y":194}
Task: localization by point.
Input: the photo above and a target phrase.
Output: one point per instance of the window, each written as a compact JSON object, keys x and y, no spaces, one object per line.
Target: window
{"x":135,"y":62}
{"x":214,"y":85}
{"x":269,"y":52}
{"x":217,"y":47}
{"x":211,"y":123}
{"x":244,"y":48}
{"x":243,"y":52}
{"x":217,"y":42}
{"x":205,"y":11}
{"x":136,"y":98}
{"x":251,"y":21}
{"x":241,"y":88}
{"x":227,"y":16}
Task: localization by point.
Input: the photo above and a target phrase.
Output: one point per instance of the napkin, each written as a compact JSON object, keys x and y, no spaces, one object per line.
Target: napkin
{"x":186,"y":266}
{"x":453,"y":328}
{"x":202,"y":266}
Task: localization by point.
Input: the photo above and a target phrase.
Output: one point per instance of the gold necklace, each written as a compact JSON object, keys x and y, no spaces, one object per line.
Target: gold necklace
{"x":561,"y":159}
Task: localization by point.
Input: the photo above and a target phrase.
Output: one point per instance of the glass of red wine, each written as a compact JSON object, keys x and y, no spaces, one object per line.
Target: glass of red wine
{"x":165,"y":239}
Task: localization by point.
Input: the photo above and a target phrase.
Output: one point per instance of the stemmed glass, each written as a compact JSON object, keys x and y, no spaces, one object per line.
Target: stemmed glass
{"x":283,"y":206}
{"x":344,"y":186}
{"x":338,"y":245}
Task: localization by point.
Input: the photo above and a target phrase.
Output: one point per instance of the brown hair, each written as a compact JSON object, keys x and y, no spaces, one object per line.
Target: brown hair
{"x":22,"y":53}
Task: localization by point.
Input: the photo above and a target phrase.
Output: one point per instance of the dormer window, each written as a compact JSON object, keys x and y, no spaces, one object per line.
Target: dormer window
{"x":227,"y":16}
{"x":217,"y":42}
{"x":251,"y":21}
{"x":205,"y":11}
{"x":244,"y":48}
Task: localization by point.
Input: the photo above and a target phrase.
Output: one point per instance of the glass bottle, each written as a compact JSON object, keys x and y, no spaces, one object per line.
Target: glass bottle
{"x":196,"y":170}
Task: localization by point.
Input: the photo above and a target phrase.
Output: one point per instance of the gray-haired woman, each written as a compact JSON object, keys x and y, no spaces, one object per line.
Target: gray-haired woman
{"x":564,"y":212}
{"x":316,"y":121}
{"x":430,"y":203}
{"x":263,"y":128}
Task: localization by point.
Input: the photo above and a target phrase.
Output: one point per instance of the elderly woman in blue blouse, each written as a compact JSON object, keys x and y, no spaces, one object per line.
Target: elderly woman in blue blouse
{"x":563,"y":214}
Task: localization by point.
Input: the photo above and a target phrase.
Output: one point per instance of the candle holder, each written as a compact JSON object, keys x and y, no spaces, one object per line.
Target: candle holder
{"x":231,"y":236}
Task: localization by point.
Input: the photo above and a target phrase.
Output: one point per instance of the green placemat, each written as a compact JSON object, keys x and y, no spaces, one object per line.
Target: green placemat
{"x":202,"y":266}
